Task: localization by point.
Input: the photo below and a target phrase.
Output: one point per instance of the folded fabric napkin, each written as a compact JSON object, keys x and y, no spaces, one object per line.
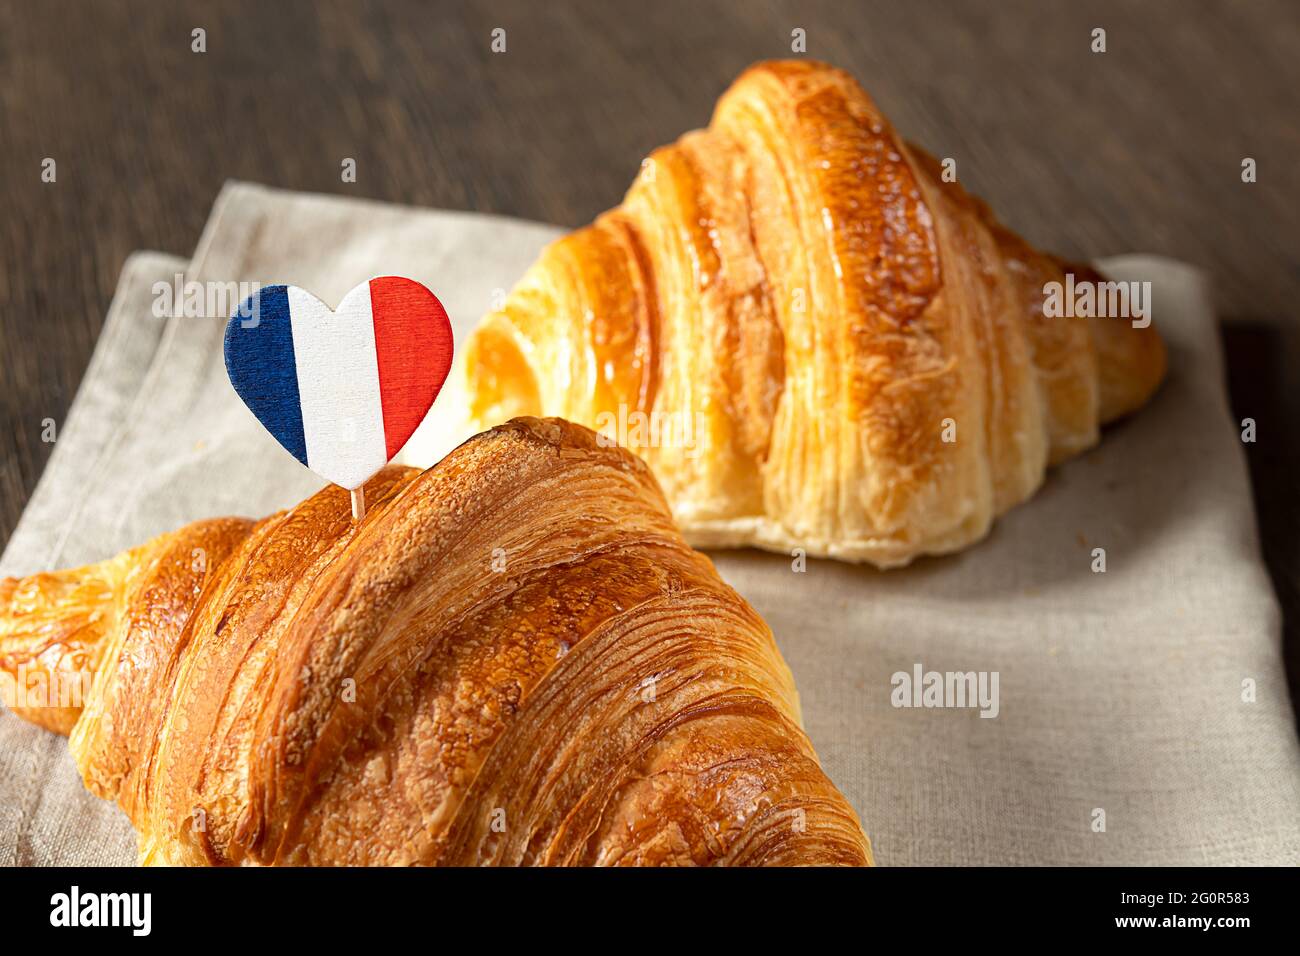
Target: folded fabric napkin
{"x":1118,"y":692}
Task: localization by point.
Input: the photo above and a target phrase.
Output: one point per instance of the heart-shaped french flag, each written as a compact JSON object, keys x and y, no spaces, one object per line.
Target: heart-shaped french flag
{"x":342,"y":390}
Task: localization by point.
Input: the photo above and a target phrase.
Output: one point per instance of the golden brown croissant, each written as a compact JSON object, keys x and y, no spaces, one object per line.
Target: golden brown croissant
{"x":813,"y":340}
{"x":513,"y":659}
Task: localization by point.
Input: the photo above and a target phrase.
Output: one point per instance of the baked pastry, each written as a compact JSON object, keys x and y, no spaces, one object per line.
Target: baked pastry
{"x":813,"y":339}
{"x":513,"y":659}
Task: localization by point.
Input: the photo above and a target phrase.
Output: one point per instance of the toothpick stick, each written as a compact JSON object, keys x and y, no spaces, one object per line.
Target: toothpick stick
{"x":358,"y":504}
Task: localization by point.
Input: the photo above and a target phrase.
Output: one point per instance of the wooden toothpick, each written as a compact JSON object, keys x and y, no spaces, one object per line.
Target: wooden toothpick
{"x":308,"y":372}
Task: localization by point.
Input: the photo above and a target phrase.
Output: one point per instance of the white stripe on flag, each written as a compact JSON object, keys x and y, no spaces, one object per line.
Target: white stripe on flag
{"x":338,"y":384}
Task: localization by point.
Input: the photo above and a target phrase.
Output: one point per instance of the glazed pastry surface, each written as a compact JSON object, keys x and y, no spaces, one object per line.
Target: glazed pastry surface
{"x":813,"y":339}
{"x":513,"y":659}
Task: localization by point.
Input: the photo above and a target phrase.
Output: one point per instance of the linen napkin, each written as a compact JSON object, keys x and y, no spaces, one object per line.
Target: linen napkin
{"x":1141,"y":711}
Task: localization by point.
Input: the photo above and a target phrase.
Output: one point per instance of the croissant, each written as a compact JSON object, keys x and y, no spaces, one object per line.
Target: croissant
{"x":513,"y":659}
{"x":813,"y":339}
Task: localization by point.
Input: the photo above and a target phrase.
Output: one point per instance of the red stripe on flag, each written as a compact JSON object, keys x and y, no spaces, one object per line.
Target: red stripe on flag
{"x":413,"y":345}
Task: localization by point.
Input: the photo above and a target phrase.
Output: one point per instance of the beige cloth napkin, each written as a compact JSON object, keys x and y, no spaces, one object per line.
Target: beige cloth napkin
{"x":1119,"y":692}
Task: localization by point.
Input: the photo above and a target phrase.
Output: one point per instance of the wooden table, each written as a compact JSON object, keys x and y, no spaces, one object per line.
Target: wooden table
{"x":1135,"y":149}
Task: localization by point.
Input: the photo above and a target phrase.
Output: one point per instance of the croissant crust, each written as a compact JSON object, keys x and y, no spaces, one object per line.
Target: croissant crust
{"x":814,"y":340}
{"x":513,"y":659}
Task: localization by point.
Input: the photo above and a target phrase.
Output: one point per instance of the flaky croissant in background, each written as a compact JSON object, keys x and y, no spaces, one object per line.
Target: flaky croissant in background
{"x":795,"y":293}
{"x":514,"y":659}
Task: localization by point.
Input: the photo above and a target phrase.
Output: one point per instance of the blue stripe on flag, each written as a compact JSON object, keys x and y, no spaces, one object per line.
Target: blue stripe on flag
{"x":261,"y":365}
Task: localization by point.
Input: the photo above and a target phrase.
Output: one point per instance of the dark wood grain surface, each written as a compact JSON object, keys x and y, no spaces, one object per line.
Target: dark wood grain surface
{"x":1087,"y":154}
